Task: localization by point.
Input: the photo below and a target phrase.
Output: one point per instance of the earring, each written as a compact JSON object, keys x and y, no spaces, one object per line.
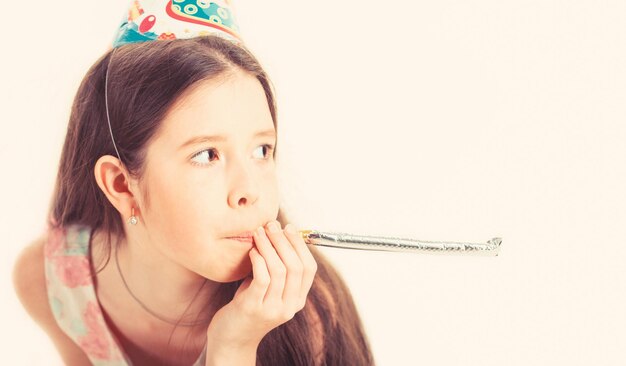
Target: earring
{"x":133,"y":219}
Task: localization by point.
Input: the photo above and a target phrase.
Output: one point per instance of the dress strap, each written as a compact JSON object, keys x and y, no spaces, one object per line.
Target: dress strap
{"x":72,"y":297}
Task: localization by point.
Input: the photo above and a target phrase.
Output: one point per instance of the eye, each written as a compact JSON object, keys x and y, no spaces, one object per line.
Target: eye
{"x":269,"y":149}
{"x":204,"y":154}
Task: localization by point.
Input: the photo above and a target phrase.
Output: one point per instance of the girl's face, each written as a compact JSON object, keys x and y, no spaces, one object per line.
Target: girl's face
{"x":210,"y":175}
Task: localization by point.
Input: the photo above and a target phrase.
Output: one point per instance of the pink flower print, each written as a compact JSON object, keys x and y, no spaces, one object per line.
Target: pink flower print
{"x":95,"y":343}
{"x":54,"y":242}
{"x":73,"y":271}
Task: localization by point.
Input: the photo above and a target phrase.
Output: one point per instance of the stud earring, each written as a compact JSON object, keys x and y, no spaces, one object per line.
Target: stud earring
{"x":133,"y":219}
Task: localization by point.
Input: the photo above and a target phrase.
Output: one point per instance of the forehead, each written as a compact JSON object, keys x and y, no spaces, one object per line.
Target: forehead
{"x":230,"y":106}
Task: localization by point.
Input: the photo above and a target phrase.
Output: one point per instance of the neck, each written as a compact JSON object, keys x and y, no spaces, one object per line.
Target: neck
{"x":154,"y":282}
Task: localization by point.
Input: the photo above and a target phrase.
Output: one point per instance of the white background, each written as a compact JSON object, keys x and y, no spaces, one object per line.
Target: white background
{"x":437,"y":120}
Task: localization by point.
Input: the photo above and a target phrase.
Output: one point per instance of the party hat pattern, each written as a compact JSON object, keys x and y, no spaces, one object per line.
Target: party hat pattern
{"x":152,"y":20}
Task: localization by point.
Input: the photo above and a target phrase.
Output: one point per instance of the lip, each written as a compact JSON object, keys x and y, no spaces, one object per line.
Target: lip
{"x":243,"y":240}
{"x":245,"y":235}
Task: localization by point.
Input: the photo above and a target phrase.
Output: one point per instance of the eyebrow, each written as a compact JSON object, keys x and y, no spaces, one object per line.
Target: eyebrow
{"x":199,"y":139}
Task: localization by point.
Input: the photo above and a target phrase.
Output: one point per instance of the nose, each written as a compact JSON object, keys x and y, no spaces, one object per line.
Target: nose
{"x":243,"y":187}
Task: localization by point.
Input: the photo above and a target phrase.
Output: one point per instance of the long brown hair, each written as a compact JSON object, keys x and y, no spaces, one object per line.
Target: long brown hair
{"x":144,"y":81}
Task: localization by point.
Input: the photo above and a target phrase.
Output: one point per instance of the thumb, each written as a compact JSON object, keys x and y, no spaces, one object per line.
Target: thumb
{"x":244,"y":285}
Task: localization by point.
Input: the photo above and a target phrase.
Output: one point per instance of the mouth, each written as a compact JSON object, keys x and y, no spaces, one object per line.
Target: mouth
{"x":243,"y":238}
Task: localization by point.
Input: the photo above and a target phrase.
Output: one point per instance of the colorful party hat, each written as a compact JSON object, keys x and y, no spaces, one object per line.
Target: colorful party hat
{"x":151,"y":20}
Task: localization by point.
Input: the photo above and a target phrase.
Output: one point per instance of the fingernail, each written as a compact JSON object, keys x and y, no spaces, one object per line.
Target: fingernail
{"x":273,"y":226}
{"x":260,"y":230}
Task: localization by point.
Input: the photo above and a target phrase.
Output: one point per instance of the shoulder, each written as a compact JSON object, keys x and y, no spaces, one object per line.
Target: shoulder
{"x":29,"y":282}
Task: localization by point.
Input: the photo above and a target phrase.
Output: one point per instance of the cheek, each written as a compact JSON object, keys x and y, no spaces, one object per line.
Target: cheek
{"x":167,"y":204}
{"x":270,"y":179}
{"x":176,"y":213}
{"x":191,"y":206}
{"x":269,"y":193}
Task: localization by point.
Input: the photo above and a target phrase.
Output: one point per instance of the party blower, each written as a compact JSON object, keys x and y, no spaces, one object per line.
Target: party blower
{"x":379,"y":243}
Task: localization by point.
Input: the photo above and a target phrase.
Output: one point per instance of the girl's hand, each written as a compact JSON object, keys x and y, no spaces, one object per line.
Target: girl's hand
{"x":283,"y":271}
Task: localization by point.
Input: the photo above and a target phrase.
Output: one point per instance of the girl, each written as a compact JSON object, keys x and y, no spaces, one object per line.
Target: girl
{"x":166,"y":242}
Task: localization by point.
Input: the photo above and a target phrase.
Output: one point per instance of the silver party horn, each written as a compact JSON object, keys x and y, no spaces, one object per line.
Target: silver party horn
{"x":349,"y":241}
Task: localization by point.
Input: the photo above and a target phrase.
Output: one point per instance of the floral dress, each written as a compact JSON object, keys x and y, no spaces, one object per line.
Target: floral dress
{"x":73,"y":300}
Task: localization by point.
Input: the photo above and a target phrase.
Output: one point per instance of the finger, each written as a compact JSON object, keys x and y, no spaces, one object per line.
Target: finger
{"x":292,"y":263}
{"x":275,"y":266}
{"x":309,"y":262}
{"x":261,"y":277}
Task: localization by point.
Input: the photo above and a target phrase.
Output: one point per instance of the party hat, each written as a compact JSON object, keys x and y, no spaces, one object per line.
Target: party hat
{"x":151,"y":20}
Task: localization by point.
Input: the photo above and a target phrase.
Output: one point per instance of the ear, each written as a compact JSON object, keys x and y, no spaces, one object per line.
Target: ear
{"x":115,"y":182}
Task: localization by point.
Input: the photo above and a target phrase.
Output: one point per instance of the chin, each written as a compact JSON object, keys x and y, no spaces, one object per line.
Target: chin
{"x":236,"y":274}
